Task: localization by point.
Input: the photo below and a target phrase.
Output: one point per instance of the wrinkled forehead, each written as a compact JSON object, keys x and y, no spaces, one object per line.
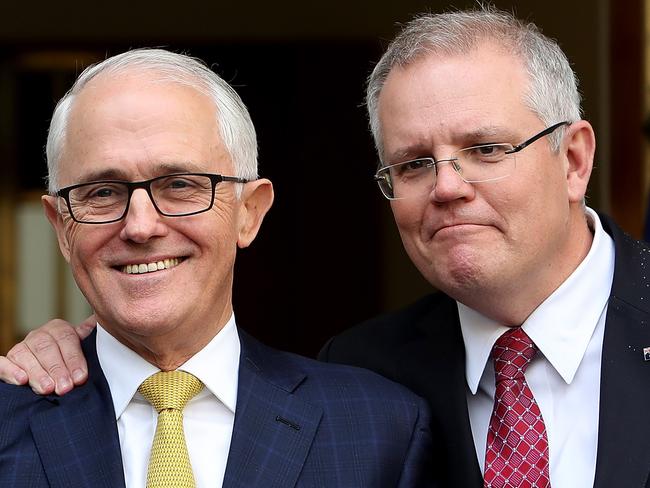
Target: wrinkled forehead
{"x":443,"y":97}
{"x":480,"y":52}
{"x":118,"y":121}
{"x":101,"y":88}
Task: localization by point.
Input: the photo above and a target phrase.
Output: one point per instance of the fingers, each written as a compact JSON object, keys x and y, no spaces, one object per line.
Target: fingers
{"x":11,"y":373}
{"x":52,"y":358}
{"x":49,"y":358}
{"x":23,"y":358}
{"x":73,"y":369}
{"x":72,"y":354}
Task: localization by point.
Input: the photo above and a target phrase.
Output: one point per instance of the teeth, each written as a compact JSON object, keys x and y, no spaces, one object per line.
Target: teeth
{"x":150,"y":267}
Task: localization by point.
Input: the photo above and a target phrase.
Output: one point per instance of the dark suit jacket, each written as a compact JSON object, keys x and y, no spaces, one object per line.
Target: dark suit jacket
{"x":422,"y":348}
{"x":298,"y":423}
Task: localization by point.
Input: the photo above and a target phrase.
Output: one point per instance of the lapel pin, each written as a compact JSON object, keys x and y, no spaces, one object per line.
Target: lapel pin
{"x":646,"y":353}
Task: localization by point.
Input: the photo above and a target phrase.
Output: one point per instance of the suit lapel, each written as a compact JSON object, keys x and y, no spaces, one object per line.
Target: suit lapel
{"x":624,"y":433}
{"x":273,"y":429}
{"x":435,"y":368}
{"x":76,"y":435}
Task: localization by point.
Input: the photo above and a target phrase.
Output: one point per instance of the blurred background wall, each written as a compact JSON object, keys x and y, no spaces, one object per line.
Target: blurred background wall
{"x":328,"y":255}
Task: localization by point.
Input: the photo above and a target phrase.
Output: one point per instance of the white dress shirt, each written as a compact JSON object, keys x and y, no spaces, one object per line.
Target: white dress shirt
{"x":207,"y":419}
{"x":564,"y":376}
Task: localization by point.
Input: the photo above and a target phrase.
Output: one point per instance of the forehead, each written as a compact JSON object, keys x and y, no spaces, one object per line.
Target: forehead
{"x":135,"y":125}
{"x":450,"y":99}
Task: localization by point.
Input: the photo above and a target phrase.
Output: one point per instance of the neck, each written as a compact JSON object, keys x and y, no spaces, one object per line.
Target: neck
{"x":169,"y":348}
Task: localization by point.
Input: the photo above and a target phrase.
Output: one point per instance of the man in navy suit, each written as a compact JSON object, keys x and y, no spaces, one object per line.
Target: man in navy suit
{"x":152,"y":188}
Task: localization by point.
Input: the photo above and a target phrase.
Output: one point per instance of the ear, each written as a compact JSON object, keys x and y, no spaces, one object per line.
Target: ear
{"x":256,"y":200}
{"x":580,"y":146}
{"x":50,"y":205}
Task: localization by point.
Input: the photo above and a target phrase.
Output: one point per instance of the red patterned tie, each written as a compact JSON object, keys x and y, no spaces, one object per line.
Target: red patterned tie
{"x":517,"y":446}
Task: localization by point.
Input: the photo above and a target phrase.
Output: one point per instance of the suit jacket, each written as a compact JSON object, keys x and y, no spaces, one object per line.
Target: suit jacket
{"x":422,"y":348}
{"x":298,"y":423}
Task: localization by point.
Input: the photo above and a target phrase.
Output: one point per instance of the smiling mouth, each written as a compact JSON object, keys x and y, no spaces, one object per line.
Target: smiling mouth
{"x":151,"y":267}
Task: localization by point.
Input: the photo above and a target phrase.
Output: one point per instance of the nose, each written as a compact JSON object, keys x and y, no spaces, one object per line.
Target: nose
{"x":142,"y":221}
{"x":449,"y":184}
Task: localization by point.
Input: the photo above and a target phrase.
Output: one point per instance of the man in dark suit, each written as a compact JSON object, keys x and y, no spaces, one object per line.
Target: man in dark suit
{"x":532,"y":352}
{"x":422,"y":347}
{"x":153,"y":186}
{"x":531,"y":355}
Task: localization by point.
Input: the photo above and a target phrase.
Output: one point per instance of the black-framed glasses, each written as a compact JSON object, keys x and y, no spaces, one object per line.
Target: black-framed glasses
{"x":175,"y":195}
{"x":475,"y":164}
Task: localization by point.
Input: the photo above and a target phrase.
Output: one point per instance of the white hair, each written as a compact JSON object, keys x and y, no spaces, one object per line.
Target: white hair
{"x":552,"y":93}
{"x":235,"y":125}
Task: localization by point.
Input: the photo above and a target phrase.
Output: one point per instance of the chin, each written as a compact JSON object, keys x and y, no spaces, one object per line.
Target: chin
{"x":459,"y":271}
{"x":139,"y":320}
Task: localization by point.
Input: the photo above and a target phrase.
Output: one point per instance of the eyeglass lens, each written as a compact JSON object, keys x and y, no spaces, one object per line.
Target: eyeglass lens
{"x":172,"y":195}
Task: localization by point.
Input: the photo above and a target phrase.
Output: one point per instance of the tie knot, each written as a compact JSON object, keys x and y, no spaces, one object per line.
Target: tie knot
{"x":170,"y":389}
{"x":512,"y":353}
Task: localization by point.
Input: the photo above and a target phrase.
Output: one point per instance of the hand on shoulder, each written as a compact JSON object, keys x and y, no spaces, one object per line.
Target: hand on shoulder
{"x":49,"y":359}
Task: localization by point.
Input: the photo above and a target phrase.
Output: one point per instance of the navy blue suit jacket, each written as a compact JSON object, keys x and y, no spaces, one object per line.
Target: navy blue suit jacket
{"x":422,"y":348}
{"x":298,"y":423}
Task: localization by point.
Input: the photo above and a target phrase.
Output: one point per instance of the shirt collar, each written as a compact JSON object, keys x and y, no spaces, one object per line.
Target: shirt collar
{"x":562,"y":326}
{"x":216,"y":365}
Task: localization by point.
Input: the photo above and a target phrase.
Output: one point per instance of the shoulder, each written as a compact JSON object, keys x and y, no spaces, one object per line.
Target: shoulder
{"x":18,"y":404}
{"x":17,"y":401}
{"x":381,"y":340}
{"x":355,"y":381}
{"x":627,"y":248}
{"x":350,"y":411}
{"x":322,"y":382}
{"x":631,"y":282}
{"x":402,"y":323}
{"x":357,"y":400}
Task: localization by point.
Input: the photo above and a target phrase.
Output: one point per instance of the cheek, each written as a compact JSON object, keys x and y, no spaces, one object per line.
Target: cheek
{"x":519,"y":200}
{"x":408,"y":215}
{"x":72,"y":232}
{"x":547,"y":192}
{"x":220,"y":242}
{"x":214,"y":236}
{"x":75,"y":240}
{"x":84,"y":241}
{"x":543,"y":173}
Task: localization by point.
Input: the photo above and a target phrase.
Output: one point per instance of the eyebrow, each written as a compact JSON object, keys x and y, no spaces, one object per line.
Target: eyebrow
{"x":497,"y":135}
{"x":160,"y":170}
{"x":102,"y":174}
{"x":488,"y":134}
{"x":482,"y":133}
{"x":408,"y":152}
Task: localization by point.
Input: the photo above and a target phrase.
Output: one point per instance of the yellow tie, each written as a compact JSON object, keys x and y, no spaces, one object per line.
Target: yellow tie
{"x":168,"y":392}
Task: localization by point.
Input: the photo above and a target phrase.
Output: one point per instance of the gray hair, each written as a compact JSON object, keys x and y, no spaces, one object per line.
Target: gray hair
{"x":235,"y":124}
{"x":552,"y":93}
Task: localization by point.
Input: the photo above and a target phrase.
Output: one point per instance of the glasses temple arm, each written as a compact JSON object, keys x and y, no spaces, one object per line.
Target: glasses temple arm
{"x":545,"y":132}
